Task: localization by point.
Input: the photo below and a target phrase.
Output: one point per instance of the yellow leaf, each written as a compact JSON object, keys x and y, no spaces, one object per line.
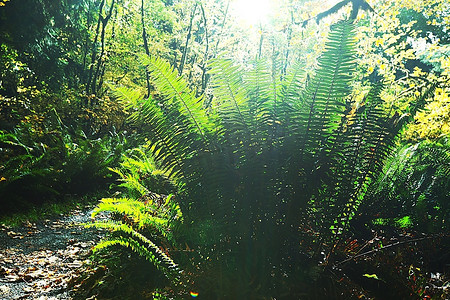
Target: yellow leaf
{"x":417,"y":72}
{"x":374,"y":276}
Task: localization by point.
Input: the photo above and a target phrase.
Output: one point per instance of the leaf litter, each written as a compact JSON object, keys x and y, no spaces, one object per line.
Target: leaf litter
{"x":39,"y":260}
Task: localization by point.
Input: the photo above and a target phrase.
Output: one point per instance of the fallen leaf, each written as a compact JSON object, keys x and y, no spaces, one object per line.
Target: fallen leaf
{"x":28,"y":289}
{"x":4,"y":289}
{"x":75,"y":264}
{"x":34,"y":275}
{"x":53,"y":259}
{"x":14,"y":235}
{"x":12,"y":278}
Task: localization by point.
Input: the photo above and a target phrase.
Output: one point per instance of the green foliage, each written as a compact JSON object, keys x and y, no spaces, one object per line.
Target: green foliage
{"x":432,"y":122}
{"x":176,"y":94}
{"x":11,"y":70}
{"x":37,"y":168}
{"x":88,"y":159}
{"x":47,"y":38}
{"x":364,"y":144}
{"x":51,"y":143}
{"x":415,"y":182}
{"x":143,"y":216}
{"x":269,"y":164}
{"x":404,"y":222}
{"x":130,"y":238}
{"x":141,"y":175}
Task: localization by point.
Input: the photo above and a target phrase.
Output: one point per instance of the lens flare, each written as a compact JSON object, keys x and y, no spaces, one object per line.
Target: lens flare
{"x":194,"y":294}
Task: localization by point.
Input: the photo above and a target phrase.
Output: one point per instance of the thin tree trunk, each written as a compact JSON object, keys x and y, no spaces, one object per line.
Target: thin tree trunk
{"x":225,"y":15}
{"x":261,"y":40}
{"x":289,"y":39}
{"x":147,"y":51}
{"x":188,"y":38}
{"x":86,"y":43}
{"x":100,"y":61}
{"x":94,"y":48}
{"x":102,"y":73}
{"x":205,"y":59}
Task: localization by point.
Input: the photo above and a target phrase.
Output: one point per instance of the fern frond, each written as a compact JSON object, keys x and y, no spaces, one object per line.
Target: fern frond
{"x":139,"y":172}
{"x":259,"y":82}
{"x":143,"y":215}
{"x":131,"y":182}
{"x":415,"y":175}
{"x":170,"y":143}
{"x":292,"y":85}
{"x":177,"y":92}
{"x":262,"y":96}
{"x":129,"y":97}
{"x":141,"y":246}
{"x":229,"y":92}
{"x":323,"y":102}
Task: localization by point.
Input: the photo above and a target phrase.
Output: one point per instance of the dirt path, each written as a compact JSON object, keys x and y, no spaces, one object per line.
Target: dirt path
{"x":38,"y":260}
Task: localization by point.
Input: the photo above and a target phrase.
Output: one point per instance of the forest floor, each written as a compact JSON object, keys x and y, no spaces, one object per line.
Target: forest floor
{"x":49,"y":259}
{"x":39,"y":260}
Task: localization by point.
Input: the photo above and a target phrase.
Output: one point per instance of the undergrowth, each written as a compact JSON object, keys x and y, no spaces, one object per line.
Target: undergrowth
{"x":140,"y":220}
{"x":51,"y":209}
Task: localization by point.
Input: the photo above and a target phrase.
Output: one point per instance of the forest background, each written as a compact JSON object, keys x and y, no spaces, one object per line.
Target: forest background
{"x":75,"y":81}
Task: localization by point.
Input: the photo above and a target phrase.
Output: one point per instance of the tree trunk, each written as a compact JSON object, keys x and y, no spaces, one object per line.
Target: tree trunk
{"x":94,"y":48}
{"x":225,"y":15}
{"x":147,"y":51}
{"x":261,"y":40}
{"x":86,"y":43}
{"x":91,"y":84}
{"x":288,"y":46}
{"x":188,"y":38}
{"x":205,"y":77}
{"x":100,"y":60}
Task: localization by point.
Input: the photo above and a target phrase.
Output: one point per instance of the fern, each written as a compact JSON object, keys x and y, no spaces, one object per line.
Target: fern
{"x":363,"y":147}
{"x":177,"y":93}
{"x":324,"y":98}
{"x":275,"y":162}
{"x":415,"y":176}
{"x":140,"y":217}
{"x":176,"y":118}
{"x":230,"y":93}
{"x":147,"y":216}
{"x":129,"y":97}
{"x":141,"y":246}
{"x":140,"y":174}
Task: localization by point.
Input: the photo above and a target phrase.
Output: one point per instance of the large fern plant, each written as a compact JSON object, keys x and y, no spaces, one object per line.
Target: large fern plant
{"x":272,"y":170}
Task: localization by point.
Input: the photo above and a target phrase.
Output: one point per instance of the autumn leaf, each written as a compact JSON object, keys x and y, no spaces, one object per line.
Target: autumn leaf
{"x":374,"y":276}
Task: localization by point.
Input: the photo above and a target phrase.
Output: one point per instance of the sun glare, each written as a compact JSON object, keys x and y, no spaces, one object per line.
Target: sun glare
{"x":252,"y":12}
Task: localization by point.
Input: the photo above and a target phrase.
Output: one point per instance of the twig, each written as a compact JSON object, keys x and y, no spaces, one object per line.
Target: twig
{"x":385,"y":247}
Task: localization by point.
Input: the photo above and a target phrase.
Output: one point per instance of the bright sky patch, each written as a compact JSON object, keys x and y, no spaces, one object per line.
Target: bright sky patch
{"x":252,"y":12}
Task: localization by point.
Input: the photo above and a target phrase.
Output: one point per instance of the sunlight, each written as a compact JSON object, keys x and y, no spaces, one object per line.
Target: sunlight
{"x":252,"y":12}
